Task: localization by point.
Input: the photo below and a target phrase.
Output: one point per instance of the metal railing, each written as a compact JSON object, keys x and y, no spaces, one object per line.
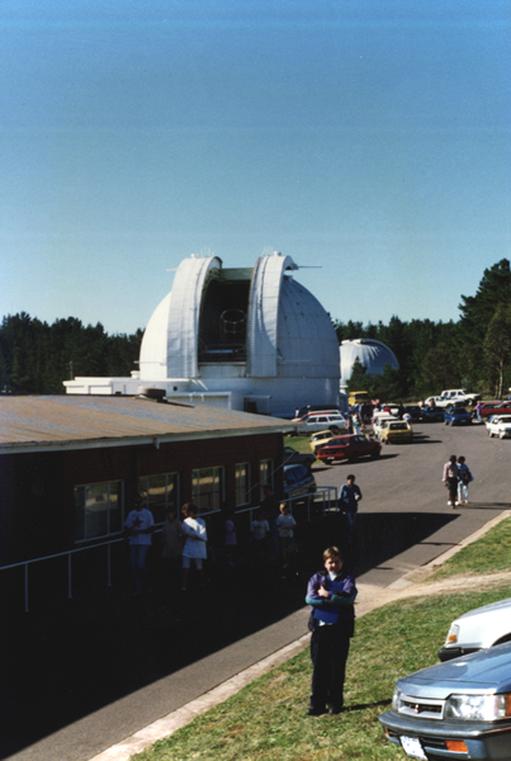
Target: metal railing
{"x":323,"y":500}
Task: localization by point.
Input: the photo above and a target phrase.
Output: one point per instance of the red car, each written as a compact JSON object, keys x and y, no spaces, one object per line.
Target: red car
{"x":349,"y":447}
{"x":485,"y":409}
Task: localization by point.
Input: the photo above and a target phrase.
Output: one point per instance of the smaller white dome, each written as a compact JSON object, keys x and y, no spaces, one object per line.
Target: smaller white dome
{"x":372,"y":354}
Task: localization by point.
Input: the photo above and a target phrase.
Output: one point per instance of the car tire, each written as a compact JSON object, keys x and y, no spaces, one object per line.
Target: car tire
{"x":328,"y":460}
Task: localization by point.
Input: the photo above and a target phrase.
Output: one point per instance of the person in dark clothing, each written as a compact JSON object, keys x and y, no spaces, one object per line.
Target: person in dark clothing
{"x":331,"y":593}
{"x":348,"y":499}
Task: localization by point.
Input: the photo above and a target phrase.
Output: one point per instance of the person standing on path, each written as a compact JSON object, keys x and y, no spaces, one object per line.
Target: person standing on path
{"x":331,"y":594}
{"x":286,"y":525}
{"x":450,"y":479}
{"x":139,"y":526}
{"x":348,"y":498}
{"x":195,"y":549}
{"x":465,"y":477}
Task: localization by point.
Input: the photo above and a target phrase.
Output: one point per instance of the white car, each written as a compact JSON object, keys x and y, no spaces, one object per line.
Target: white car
{"x":499,"y":425}
{"x":478,"y":629}
{"x":450,"y":395}
{"x":380,"y":421}
{"x":321,"y":420}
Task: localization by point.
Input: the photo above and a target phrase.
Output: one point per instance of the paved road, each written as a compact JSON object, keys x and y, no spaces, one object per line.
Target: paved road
{"x":402,"y":489}
{"x":407,"y":479}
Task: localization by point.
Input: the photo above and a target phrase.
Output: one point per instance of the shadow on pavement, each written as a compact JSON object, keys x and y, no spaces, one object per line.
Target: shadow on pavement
{"x":64,"y":662}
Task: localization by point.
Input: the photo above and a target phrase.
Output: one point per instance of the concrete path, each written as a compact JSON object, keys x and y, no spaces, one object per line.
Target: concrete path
{"x":369,"y":599}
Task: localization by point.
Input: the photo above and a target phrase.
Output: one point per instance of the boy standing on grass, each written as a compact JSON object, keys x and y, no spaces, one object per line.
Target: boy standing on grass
{"x":331,"y":593}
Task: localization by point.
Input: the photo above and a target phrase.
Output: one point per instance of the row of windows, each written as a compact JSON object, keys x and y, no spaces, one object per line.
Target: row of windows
{"x":99,"y":508}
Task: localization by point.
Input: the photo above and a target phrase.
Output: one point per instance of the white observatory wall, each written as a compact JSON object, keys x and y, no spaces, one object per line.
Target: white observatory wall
{"x":375,"y":356}
{"x":184,"y":314}
{"x":307,"y":342}
{"x":153,"y":350}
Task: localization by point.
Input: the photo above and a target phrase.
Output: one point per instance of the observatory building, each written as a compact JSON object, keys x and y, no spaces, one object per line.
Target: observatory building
{"x":252,"y":339}
{"x":373,"y":355}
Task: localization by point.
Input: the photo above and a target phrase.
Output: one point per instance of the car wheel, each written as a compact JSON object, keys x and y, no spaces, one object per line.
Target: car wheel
{"x":328,"y":460}
{"x":375,"y":456}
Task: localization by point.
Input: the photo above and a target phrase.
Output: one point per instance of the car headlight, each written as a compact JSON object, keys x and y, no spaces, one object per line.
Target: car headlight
{"x":478,"y":707}
{"x":396,"y":700}
{"x":452,"y":634}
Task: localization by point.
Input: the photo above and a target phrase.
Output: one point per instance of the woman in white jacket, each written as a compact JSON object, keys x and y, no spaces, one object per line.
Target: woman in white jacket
{"x":195,"y":547}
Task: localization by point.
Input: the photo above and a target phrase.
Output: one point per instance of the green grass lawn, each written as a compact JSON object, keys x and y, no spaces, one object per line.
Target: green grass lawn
{"x":489,"y":554}
{"x":300,"y":443}
{"x":266,"y":721}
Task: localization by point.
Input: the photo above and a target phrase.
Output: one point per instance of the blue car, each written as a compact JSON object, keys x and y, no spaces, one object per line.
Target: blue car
{"x":432,"y":415}
{"x":460,"y":709}
{"x":457,"y":416}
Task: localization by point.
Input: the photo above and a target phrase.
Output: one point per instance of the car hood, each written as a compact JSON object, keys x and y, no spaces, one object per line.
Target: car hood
{"x":499,"y":606}
{"x":488,"y":670}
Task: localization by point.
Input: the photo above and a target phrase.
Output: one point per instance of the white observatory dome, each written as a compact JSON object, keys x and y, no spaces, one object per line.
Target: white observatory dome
{"x":253,"y":332}
{"x":372,"y":354}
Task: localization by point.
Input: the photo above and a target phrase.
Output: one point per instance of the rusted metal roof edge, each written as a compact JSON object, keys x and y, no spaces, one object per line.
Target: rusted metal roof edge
{"x":155,"y":440}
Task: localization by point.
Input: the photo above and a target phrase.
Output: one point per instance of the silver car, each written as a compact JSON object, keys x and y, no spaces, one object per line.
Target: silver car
{"x":455,"y":710}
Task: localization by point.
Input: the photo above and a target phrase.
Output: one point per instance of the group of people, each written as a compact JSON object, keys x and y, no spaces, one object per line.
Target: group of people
{"x":184,"y":540}
{"x":457,"y":477}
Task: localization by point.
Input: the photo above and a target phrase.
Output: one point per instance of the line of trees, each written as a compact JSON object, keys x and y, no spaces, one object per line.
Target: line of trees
{"x":474,"y":352}
{"x":35,"y":357}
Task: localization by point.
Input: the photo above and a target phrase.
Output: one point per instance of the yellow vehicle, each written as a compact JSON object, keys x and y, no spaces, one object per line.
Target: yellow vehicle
{"x":358,"y":397}
{"x":322,"y":437}
{"x":395,"y":432}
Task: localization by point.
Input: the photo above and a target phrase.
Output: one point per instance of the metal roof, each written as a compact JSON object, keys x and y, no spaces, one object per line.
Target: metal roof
{"x":33,"y":423}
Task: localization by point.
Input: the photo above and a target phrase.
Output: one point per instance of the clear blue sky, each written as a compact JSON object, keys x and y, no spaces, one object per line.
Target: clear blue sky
{"x":370,"y":137}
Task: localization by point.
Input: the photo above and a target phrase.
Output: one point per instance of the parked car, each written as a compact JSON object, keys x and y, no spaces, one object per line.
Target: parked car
{"x":432,"y":401}
{"x":349,"y":447}
{"x":499,"y":425}
{"x":313,"y":409}
{"x":380,"y":419}
{"x":395,"y":432}
{"x":455,"y":710}
{"x":298,"y":481}
{"x":485,"y":409}
{"x":292,"y":457}
{"x":414,"y":411}
{"x":457,"y":416}
{"x":319,"y":421}
{"x":321,"y":437}
{"x":478,"y":628}
{"x":458,"y":395}
{"x":432,"y":415}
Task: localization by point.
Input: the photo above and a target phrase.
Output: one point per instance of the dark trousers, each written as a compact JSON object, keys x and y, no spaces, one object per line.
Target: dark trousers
{"x":452,"y":485}
{"x":329,"y":652}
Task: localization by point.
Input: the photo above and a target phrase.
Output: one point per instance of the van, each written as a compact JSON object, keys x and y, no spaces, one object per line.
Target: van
{"x":358,"y":397}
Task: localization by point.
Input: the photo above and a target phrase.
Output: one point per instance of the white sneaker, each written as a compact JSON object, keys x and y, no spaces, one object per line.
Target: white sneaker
{"x":458,"y":503}
{"x":449,"y":504}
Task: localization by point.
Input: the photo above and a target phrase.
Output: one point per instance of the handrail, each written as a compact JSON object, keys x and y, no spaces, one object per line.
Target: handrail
{"x":323,"y":492}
